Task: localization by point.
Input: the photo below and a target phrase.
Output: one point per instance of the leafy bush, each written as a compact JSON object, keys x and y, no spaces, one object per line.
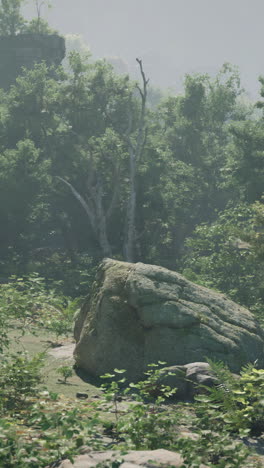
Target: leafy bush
{"x":235,"y":404}
{"x":60,"y":321}
{"x":27,"y":301}
{"x":66,"y":372}
{"x":149,"y":423}
{"x":146,"y":424}
{"x":213,"y":449}
{"x":19,"y":379}
{"x":50,"y":430}
{"x":226,"y":255}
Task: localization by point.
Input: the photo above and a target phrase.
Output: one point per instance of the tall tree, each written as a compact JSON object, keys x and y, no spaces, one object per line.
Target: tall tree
{"x":103,"y":159}
{"x":96,"y":106}
{"x":188,"y":144}
{"x":135,"y":141}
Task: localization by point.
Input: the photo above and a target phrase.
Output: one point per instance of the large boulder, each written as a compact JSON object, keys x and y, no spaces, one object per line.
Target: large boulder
{"x":139,"y":314}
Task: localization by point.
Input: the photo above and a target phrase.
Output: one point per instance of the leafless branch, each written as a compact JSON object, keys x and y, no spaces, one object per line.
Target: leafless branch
{"x":82,"y":201}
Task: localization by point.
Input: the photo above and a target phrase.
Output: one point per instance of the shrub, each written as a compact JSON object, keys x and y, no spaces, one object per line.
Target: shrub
{"x":146,"y":424}
{"x":236,"y":403}
{"x":26,"y":302}
{"x":48,"y":431}
{"x":19,"y":379}
{"x":66,"y":372}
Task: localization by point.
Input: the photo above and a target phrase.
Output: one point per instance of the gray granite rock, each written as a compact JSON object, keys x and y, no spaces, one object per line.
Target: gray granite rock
{"x":187,"y":379}
{"x":139,"y":314}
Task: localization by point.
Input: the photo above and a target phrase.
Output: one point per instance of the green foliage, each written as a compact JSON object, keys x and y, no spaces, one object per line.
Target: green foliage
{"x":110,"y":464}
{"x":146,"y":425}
{"x":66,"y":372}
{"x":39,"y":26}
{"x":59,"y":326}
{"x":60,"y":320}
{"x":19,"y":300}
{"x":27,"y":302}
{"x":73,"y":126}
{"x":149,"y":423}
{"x":213,"y":449}
{"x":49,"y":430}
{"x":235,"y":404}
{"x":244,"y":171}
{"x":11,"y":21}
{"x":185,"y":161}
{"x":222,"y":255}
{"x":256,"y":237}
{"x":19,"y":379}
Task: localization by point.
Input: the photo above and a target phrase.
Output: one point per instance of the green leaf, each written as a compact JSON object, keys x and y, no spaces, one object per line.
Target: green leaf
{"x":119,"y":371}
{"x":107,"y":376}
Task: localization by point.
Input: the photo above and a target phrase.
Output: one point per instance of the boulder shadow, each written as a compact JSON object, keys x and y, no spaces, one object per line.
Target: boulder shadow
{"x":87,"y":377}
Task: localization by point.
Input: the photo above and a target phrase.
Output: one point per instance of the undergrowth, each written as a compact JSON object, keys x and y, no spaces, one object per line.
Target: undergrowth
{"x":27,"y":304}
{"x":39,"y":429}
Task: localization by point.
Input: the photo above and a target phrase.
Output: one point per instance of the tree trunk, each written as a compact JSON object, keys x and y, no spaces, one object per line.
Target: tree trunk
{"x":95,"y":215}
{"x":101,"y":222}
{"x":135,"y":151}
{"x":129,"y":246}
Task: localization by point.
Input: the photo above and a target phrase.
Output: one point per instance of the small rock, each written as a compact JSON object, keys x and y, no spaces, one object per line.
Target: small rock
{"x":81,"y":395}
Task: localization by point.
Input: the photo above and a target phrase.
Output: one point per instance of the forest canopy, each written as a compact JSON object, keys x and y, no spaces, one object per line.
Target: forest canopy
{"x":92,"y":166}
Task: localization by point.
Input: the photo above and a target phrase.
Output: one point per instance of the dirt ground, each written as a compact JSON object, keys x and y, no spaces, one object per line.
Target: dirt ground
{"x":57,"y":354}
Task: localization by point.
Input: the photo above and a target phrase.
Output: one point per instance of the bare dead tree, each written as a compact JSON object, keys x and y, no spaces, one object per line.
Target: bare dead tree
{"x":135,"y":148}
{"x":92,"y":203}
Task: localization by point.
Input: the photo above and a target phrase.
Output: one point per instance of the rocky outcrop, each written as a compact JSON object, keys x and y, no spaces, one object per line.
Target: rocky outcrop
{"x":24,"y":50}
{"x":139,"y":314}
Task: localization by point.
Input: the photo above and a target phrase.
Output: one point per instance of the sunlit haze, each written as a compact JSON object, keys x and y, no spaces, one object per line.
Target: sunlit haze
{"x":173,"y":37}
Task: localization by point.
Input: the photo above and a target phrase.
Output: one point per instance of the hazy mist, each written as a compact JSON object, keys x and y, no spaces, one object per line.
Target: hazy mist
{"x":172,"y":36}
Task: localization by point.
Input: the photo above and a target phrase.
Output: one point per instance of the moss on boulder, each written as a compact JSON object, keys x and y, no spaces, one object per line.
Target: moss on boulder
{"x":138,"y":314}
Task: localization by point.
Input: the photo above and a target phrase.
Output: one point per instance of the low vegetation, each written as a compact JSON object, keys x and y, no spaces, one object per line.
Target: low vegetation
{"x":39,"y":427}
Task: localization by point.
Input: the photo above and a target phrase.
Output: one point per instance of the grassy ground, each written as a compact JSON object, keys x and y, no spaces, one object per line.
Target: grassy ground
{"x":56,"y":356}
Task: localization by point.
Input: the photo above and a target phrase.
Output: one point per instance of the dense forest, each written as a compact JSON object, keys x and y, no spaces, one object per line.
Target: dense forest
{"x":92,"y":164}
